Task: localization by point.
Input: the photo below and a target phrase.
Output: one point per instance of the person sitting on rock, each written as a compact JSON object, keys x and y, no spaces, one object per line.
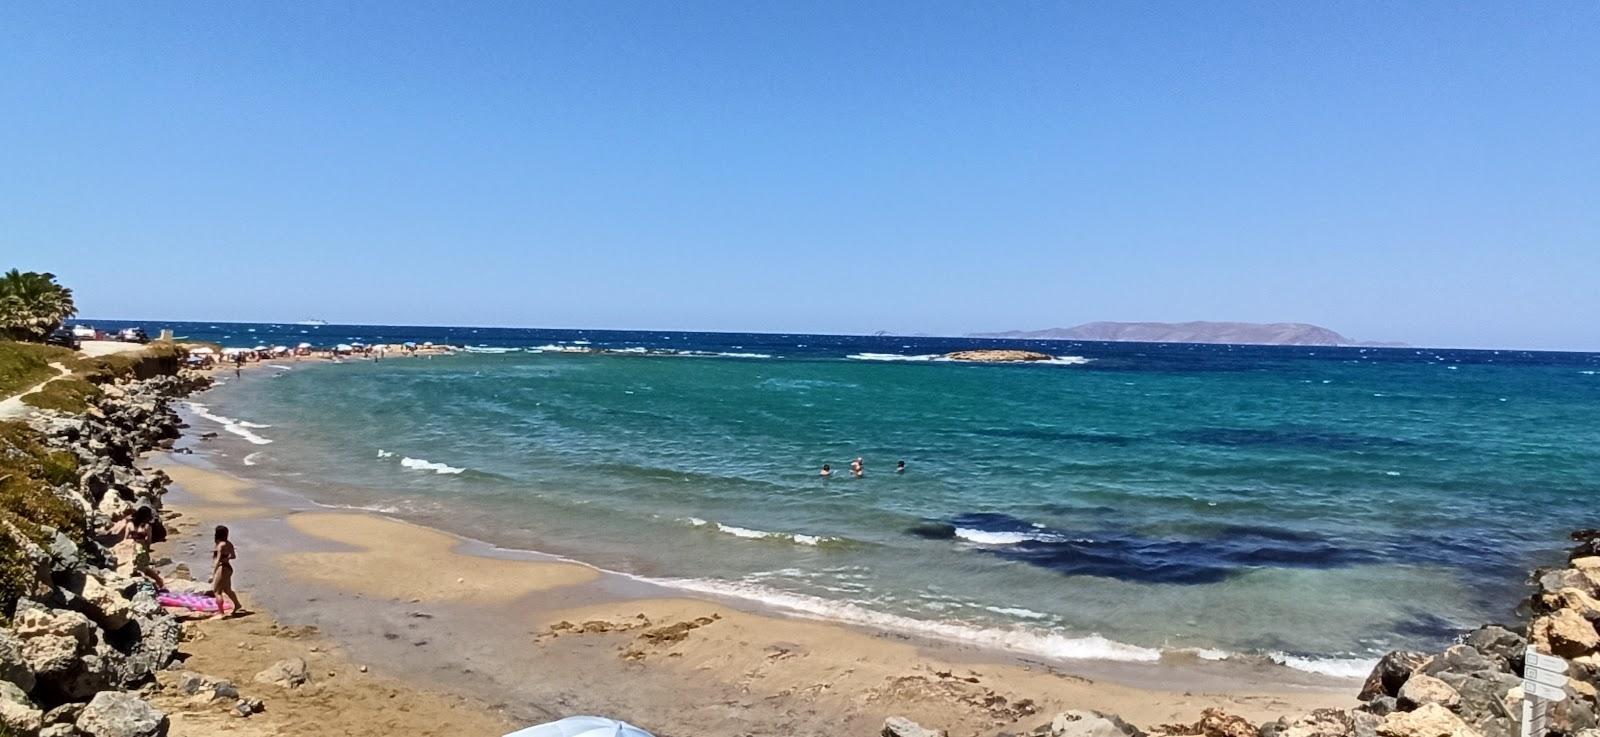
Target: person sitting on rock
{"x":139,"y":528}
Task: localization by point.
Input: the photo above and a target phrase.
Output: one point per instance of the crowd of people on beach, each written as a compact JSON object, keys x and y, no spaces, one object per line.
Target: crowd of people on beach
{"x":858,"y":468}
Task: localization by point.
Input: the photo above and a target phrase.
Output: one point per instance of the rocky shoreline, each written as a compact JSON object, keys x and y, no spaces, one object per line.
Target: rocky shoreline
{"x":85,"y":644}
{"x":1471,"y":689}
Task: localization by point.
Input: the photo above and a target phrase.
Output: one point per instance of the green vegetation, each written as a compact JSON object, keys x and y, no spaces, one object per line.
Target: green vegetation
{"x":28,"y":502}
{"x":24,"y":364}
{"x":68,"y":394}
{"x":32,"y":304}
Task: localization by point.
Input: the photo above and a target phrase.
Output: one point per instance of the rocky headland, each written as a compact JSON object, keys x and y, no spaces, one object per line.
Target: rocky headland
{"x":1199,"y":331}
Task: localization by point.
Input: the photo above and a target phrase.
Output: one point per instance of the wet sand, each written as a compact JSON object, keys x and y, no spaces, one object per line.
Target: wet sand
{"x":522,"y":638}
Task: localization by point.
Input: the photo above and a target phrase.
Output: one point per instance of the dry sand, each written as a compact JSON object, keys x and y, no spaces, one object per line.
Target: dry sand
{"x":536,"y":639}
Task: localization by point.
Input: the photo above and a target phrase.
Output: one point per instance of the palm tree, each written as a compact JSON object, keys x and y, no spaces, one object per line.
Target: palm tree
{"x":32,"y":304}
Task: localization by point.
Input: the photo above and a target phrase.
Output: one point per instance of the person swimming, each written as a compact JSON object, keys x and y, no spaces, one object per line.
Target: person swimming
{"x":900,"y":467}
{"x":827,"y":471}
{"x":858,"y":468}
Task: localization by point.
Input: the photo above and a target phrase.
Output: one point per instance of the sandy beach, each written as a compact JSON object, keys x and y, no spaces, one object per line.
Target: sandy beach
{"x":450,"y":626}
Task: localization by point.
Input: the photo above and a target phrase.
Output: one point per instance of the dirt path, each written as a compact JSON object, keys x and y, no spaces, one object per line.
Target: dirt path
{"x":12,"y":407}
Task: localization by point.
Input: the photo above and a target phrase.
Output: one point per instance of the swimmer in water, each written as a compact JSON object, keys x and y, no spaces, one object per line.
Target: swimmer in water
{"x":858,"y":468}
{"x":827,"y":472}
{"x":900,"y":467}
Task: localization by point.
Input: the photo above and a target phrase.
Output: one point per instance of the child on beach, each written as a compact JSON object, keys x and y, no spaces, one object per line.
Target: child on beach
{"x":222,"y":573}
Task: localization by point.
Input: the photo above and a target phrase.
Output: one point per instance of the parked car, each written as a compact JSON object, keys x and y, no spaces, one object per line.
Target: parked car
{"x":85,"y":332}
{"x":62,"y":337}
{"x":132,"y":335}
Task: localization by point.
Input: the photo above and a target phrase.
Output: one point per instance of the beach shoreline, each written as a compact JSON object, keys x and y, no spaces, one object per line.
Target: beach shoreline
{"x":404,"y":598}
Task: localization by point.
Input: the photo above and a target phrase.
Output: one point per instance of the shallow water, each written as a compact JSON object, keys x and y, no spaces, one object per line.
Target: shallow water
{"x":1318,"y":504}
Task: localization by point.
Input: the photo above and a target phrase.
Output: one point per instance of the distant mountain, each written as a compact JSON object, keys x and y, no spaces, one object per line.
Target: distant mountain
{"x":1247,"y":333}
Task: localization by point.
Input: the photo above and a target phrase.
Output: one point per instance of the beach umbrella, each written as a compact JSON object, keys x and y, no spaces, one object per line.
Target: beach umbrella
{"x":345,"y":347}
{"x":409,"y":344}
{"x":202,"y":350}
{"x":231,"y":351}
{"x":582,"y":727}
{"x":303,"y":345}
{"x":427,"y":344}
{"x":261,"y":347}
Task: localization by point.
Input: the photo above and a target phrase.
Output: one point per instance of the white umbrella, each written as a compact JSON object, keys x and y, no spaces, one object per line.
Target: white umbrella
{"x":202,"y":350}
{"x":261,"y":347}
{"x":303,"y":345}
{"x":343,"y":347}
{"x":582,"y":727}
{"x":230,"y":351}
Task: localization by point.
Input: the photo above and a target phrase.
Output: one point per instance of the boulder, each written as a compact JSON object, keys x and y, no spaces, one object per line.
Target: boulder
{"x":286,"y":673}
{"x":903,"y":727}
{"x":63,"y":714}
{"x":1498,"y":643}
{"x":1431,"y":720}
{"x":1566,"y":578}
{"x":1381,"y":705}
{"x":59,"y":730}
{"x":18,"y":715}
{"x":52,"y":638}
{"x":1564,"y":633}
{"x":1422,"y":689}
{"x":1490,"y":701}
{"x":106,"y":605}
{"x":1085,"y":723}
{"x":1586,"y":563}
{"x":13,"y":666}
{"x":1391,"y":673}
{"x":1460,"y":660}
{"x":121,"y":714}
{"x":1577,"y":600}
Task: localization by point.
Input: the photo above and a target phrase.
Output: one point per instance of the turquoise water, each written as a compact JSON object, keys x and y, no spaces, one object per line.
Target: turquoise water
{"x":1319,"y":506}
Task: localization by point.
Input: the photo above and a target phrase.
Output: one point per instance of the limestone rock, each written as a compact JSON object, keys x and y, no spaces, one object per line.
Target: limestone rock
{"x":51,"y":638}
{"x":13,"y":666}
{"x":1391,"y":673}
{"x":1431,"y":720}
{"x":1460,"y":660}
{"x":197,"y":686}
{"x":1423,"y":689}
{"x":1566,"y":578}
{"x":121,"y":714}
{"x":1320,"y":723}
{"x":1085,"y":723}
{"x":1564,"y":633}
{"x":107,"y":606}
{"x":1577,"y":600}
{"x":18,"y":715}
{"x":59,"y":730}
{"x":63,"y":714}
{"x":999,"y":356}
{"x":286,"y":673}
{"x":903,"y":727}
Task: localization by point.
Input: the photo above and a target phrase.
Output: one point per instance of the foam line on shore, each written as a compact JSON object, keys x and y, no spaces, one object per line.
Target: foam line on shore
{"x":229,"y":424}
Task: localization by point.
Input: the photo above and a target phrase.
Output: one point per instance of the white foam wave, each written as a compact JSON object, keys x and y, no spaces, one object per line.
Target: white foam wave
{"x":749,"y":534}
{"x":418,"y":464}
{"x":1335,"y":667}
{"x":1018,"y":639}
{"x":554,"y":348}
{"x":988,"y":537}
{"x":385,"y":453}
{"x":250,"y":459}
{"x":487,"y":349}
{"x":236,"y":427}
{"x":892,"y":357}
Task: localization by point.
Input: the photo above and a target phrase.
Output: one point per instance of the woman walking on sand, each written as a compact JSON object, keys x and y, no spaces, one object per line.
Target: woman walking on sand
{"x":222,"y":556}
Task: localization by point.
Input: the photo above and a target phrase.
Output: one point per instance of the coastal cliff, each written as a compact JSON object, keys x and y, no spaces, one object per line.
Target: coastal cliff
{"x":1238,"y":333}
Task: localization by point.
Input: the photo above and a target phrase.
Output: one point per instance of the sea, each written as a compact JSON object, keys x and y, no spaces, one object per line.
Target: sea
{"x":1315,"y":506}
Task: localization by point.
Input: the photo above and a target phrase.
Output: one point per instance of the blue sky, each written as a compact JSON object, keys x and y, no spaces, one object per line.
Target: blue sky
{"x":1425,"y":172}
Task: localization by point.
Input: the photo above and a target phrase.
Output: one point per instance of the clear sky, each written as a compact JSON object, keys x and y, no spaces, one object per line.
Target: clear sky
{"x":1424,"y":172}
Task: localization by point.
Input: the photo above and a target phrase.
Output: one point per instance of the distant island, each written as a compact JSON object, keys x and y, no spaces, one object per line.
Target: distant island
{"x":1244,"y":333}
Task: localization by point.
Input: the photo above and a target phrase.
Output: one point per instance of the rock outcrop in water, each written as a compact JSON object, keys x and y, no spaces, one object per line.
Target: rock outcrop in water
{"x":999,"y":356}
